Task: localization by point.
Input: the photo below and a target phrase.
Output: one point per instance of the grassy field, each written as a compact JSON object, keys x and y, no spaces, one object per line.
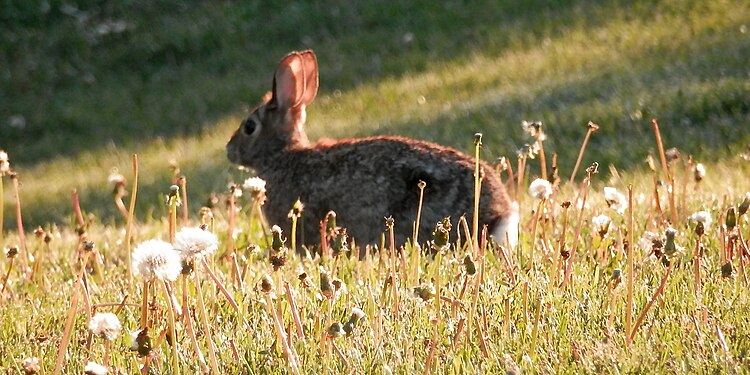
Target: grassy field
{"x":80,"y":95}
{"x":85,"y":85}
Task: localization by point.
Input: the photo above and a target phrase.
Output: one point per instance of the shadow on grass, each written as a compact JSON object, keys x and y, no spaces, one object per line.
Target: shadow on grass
{"x":81,"y":77}
{"x":177,"y":84}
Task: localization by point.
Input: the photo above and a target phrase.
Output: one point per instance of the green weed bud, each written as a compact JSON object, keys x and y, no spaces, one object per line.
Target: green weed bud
{"x":615,"y":278}
{"x":278,"y":259}
{"x":335,"y":330}
{"x":340,"y":243}
{"x":348,"y":328}
{"x":297,"y":210}
{"x":357,"y":315}
{"x":11,"y":252}
{"x":670,"y":248}
{"x":266,"y":284}
{"x":389,"y":223}
{"x":173,"y":197}
{"x":30,"y":366}
{"x":330,"y":221}
{"x":277,"y":243}
{"x":731,"y":220}
{"x":699,"y":172}
{"x":88,"y":246}
{"x":424,"y":292}
{"x":141,"y":342}
{"x":471,"y":268}
{"x":326,"y":288}
{"x":744,"y":205}
{"x":187,"y":266}
{"x":726,"y":270}
{"x":441,"y":234}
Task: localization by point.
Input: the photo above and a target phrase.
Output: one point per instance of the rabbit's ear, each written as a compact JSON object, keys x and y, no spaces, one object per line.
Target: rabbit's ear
{"x":289,"y":82}
{"x":310,"y":62}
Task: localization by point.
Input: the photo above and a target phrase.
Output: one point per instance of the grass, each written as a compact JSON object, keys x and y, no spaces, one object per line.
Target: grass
{"x":80,"y":95}
{"x":441,"y":76}
{"x":551,"y":329}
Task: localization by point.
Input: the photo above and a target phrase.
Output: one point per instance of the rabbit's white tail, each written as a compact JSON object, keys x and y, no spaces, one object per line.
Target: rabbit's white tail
{"x":507,"y":226}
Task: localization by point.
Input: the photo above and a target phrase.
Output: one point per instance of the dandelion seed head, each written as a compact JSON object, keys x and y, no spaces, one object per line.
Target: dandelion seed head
{"x":601,"y":224}
{"x":93,"y":368}
{"x":195,"y":243}
{"x":255,"y":185}
{"x":358,"y":313}
{"x":534,"y":129}
{"x":115,"y":178}
{"x":540,"y":189}
{"x":235,"y":189}
{"x":699,"y":172}
{"x":615,"y":200}
{"x":156,"y":259}
{"x":4,"y":163}
{"x":31,"y":366}
{"x":647,"y":241}
{"x":105,"y":325}
{"x":703,"y":217}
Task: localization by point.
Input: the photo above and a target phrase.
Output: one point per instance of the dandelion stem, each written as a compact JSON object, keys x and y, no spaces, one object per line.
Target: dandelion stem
{"x":438,"y":316}
{"x":394,"y":287}
{"x":537,"y":318}
{"x":697,"y":271}
{"x":295,"y":314}
{"x":65,"y":340}
{"x":542,"y":160}
{"x":281,"y":340}
{"x":7,"y":275}
{"x":2,"y":209}
{"x":131,"y":213}
{"x":120,"y":205}
{"x":591,"y":129}
{"x":144,"y":306}
{"x":189,"y":325}
{"x":77,"y":209}
{"x":230,"y":226}
{"x":421,"y":185}
{"x":172,"y":331}
{"x":293,"y":235}
{"x":182,"y":182}
{"x":533,"y":234}
{"x":665,"y":169}
{"x":641,"y":317}
{"x":221,"y":286}
{"x":477,"y":191}
{"x":630,"y":275}
{"x":19,"y":223}
{"x":206,"y":326}
{"x":569,"y":266}
{"x":105,"y":359}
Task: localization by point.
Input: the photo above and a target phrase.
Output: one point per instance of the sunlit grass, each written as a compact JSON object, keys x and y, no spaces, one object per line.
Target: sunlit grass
{"x":173,"y":96}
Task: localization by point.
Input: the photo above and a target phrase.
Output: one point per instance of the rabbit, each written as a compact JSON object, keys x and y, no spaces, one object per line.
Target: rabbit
{"x":363,"y":180}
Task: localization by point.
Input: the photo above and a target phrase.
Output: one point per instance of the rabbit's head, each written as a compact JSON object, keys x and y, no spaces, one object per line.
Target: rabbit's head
{"x":278,"y":122}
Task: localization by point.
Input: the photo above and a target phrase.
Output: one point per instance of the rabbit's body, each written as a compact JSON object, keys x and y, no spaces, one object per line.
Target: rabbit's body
{"x":362,"y":180}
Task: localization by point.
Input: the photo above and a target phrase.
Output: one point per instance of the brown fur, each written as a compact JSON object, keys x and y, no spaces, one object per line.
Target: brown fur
{"x":362,"y":180}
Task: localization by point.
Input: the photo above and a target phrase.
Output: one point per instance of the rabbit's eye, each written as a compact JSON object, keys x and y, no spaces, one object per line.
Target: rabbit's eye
{"x":249,"y":127}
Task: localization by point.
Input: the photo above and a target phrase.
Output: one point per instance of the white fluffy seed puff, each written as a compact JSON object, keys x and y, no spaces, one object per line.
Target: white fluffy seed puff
{"x":93,"y":368}
{"x":105,"y":325}
{"x":540,"y":189}
{"x":194,"y":243}
{"x":156,"y":259}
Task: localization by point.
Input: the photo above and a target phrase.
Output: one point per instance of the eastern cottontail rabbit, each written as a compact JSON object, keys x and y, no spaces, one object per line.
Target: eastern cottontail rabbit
{"x":362,"y":180}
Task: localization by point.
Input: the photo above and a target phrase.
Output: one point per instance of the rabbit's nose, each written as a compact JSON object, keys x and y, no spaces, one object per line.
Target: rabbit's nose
{"x":233,"y":152}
